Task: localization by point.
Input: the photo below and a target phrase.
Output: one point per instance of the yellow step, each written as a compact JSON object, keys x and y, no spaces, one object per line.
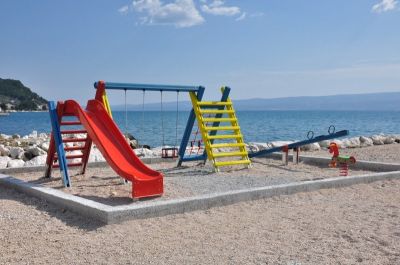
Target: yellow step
{"x":215,"y":111}
{"x":222,"y":128}
{"x":214,"y":103}
{"x":224,"y":136}
{"x":227,"y":145}
{"x":223,"y":154}
{"x":219,"y":119}
{"x":231,"y":163}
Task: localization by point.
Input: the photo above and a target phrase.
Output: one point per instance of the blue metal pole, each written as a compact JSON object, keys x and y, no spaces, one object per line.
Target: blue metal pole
{"x":301,"y":143}
{"x":62,"y":161}
{"x":188,"y":129}
{"x":149,"y":87}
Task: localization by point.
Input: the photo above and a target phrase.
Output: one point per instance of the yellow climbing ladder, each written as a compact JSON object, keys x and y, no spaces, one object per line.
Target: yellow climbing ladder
{"x":215,"y":113}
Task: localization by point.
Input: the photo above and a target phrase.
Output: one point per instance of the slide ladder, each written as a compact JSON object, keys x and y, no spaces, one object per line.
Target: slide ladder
{"x":231,"y":138}
{"x":67,"y":146}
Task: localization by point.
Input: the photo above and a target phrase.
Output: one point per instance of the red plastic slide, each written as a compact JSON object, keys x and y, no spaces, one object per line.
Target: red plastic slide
{"x":115,"y":149}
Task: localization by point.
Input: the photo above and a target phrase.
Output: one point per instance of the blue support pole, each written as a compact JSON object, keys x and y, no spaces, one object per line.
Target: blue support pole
{"x":301,"y":143}
{"x":62,"y":161}
{"x":188,"y":130}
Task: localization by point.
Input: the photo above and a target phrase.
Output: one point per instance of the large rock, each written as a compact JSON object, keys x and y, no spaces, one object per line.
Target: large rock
{"x":15,"y":163}
{"x":324,"y":143}
{"x":366,"y":141}
{"x":44,"y":146}
{"x":388,"y":139}
{"x":5,"y":136}
{"x":311,"y":147}
{"x":280,"y":143}
{"x":36,"y":151}
{"x":4,"y":161}
{"x":144,"y":152}
{"x":36,"y":161}
{"x":351,"y":142}
{"x":16,"y":152}
{"x":96,"y":156}
{"x":378,"y":139}
{"x":4,"y":151}
{"x":260,"y":146}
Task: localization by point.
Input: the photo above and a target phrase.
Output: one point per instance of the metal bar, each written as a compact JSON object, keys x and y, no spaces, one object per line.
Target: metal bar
{"x":59,"y":144}
{"x":301,"y":143}
{"x":188,"y":129}
{"x":193,"y":158}
{"x":149,"y":87}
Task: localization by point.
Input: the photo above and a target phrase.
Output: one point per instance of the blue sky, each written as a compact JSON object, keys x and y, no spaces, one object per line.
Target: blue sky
{"x":261,"y":48}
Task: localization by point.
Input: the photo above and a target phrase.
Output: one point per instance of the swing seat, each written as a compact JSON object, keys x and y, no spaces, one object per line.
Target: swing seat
{"x":169,"y":152}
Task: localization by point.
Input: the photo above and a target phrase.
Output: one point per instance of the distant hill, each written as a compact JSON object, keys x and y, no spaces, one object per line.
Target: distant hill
{"x":15,"y":96}
{"x":389,"y":101}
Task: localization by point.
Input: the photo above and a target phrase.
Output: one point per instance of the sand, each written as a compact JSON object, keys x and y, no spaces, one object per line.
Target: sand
{"x":353,"y":225}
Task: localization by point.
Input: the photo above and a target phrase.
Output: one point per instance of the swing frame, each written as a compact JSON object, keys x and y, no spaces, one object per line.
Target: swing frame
{"x":102,"y":86}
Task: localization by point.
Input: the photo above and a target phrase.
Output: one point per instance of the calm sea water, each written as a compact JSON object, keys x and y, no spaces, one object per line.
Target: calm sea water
{"x":256,"y":126}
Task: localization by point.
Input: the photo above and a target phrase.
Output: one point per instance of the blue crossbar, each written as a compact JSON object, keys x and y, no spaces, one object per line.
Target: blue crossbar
{"x":149,"y":87}
{"x":301,"y":143}
{"x":62,"y":161}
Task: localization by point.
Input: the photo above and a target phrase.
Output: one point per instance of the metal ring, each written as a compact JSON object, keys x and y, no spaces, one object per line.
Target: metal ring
{"x":331,"y":129}
{"x":310,"y":135}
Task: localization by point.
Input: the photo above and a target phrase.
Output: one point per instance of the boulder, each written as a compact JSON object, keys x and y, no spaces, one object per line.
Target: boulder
{"x":351,"y":142}
{"x":4,"y":161}
{"x":260,"y":146}
{"x":144,"y":152}
{"x":96,"y":156}
{"x":378,"y":139}
{"x":388,"y":140}
{"x":5,"y":136}
{"x":4,"y":151}
{"x":36,"y":161}
{"x":280,"y":143}
{"x":33,"y":134}
{"x":15,"y":163}
{"x":16,"y":136}
{"x":324,"y":143}
{"x":36,"y":151}
{"x":43,"y":136}
{"x":252,"y":148}
{"x":16,"y":152}
{"x":366,"y":141}
{"x":311,"y":147}
{"x":44,"y":146}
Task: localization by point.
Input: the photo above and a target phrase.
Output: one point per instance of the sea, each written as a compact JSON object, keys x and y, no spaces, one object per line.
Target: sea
{"x":256,"y":126}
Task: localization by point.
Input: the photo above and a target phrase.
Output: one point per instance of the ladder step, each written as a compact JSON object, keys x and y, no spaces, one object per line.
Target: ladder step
{"x":214,"y":103}
{"x":73,"y":131}
{"x":212,"y":111}
{"x":73,"y":148}
{"x":227,"y":145}
{"x":223,"y":154}
{"x":69,"y":165}
{"x":68,"y":123}
{"x":70,"y":156}
{"x":73,"y":156}
{"x":224,"y":136}
{"x":231,"y":163}
{"x":222,"y":128}
{"x":73,"y":140}
{"x":219,"y":119}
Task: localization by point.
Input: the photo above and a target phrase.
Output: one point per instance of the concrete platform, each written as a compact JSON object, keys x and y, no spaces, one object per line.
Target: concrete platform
{"x":147,"y":209}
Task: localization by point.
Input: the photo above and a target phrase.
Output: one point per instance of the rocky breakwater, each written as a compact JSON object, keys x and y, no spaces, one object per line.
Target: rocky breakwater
{"x":31,"y":150}
{"x":353,"y":142}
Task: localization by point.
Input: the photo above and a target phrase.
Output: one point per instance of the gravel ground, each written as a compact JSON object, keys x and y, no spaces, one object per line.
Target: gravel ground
{"x":353,"y":225}
{"x":103,"y":185}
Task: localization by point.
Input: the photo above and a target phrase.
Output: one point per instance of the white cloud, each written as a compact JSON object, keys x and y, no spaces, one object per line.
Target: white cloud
{"x":384,"y":6}
{"x":218,"y":8}
{"x":181,"y":13}
{"x":242,"y":16}
{"x":124,"y":10}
